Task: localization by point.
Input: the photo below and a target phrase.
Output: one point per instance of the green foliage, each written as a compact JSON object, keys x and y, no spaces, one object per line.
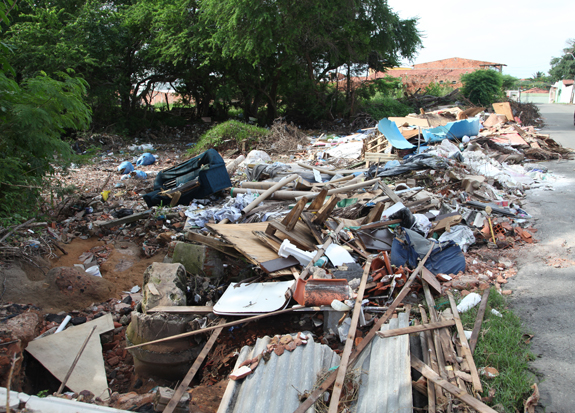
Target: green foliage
{"x":43,"y":393}
{"x":564,"y":67}
{"x":502,"y":345}
{"x":509,"y":82}
{"x":228,"y":134}
{"x":437,"y":89}
{"x":482,"y":87}
{"x":382,"y":106}
{"x":33,"y":117}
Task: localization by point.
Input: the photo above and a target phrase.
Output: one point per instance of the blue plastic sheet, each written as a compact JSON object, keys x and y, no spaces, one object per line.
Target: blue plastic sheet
{"x":393,"y":135}
{"x":445,"y":258}
{"x":126,"y":166}
{"x":457,"y":129}
{"x":145,"y":159}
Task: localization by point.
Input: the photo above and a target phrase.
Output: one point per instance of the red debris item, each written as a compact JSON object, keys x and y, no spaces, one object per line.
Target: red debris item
{"x":525,"y":236}
{"x":318,"y":292}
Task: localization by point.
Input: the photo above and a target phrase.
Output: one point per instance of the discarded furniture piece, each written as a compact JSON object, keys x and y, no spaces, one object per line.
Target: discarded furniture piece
{"x":208,"y":168}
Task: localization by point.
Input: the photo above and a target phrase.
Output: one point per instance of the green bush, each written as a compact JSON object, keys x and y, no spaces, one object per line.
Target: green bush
{"x":228,"y":134}
{"x":437,"y":89}
{"x":385,"y":106}
{"x":33,"y":117}
{"x":482,"y":87}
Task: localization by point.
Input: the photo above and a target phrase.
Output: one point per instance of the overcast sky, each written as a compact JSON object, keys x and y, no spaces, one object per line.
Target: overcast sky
{"x":524,"y":35}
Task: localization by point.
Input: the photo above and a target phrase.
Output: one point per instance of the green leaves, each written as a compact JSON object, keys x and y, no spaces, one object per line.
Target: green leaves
{"x":482,"y":87}
{"x":564,"y":67}
{"x":34,"y":116}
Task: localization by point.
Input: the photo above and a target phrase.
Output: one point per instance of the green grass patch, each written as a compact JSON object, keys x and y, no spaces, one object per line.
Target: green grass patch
{"x":227,"y":135}
{"x":502,"y":344}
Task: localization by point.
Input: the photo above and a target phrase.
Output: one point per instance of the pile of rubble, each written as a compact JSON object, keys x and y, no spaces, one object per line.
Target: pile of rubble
{"x":311,"y":265}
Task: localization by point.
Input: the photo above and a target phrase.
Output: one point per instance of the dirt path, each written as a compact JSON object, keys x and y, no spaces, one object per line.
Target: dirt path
{"x":544,"y":288}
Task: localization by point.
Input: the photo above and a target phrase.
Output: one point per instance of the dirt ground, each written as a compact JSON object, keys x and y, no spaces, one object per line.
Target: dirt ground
{"x":122,"y":270}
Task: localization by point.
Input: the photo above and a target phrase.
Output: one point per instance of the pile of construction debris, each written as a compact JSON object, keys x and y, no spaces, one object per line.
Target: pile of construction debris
{"x":330,"y":246}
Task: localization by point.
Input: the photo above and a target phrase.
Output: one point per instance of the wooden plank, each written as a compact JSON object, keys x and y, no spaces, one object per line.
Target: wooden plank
{"x":431,"y":280}
{"x":429,"y":374}
{"x":465,"y":345}
{"x":366,"y":340}
{"x":504,"y":108}
{"x":267,"y":240}
{"x":349,"y":342}
{"x":479,"y":320}
{"x":387,"y":191}
{"x":183,"y":309}
{"x":306,"y":218}
{"x":430,"y":393}
{"x":292,"y":217}
{"x":299,"y":236}
{"x":127,"y":220}
{"x":374,"y":214}
{"x":446,"y":223}
{"x":326,"y":210}
{"x":318,"y":201}
{"x":244,"y":241}
{"x":379,"y":157}
{"x":415,"y":329}
{"x":441,"y":337}
{"x":205,"y":330}
{"x":399,"y":121}
{"x":433,"y":362}
{"x":213,"y":243}
{"x":193,"y":370}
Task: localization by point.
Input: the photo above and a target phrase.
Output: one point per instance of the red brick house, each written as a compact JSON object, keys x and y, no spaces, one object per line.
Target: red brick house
{"x":444,"y":72}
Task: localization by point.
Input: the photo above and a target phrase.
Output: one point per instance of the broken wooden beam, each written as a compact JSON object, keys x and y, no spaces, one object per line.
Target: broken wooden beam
{"x":194,"y":369}
{"x":479,"y":320}
{"x":429,"y":374}
{"x":415,"y":329}
{"x":465,"y":346}
{"x":349,"y":342}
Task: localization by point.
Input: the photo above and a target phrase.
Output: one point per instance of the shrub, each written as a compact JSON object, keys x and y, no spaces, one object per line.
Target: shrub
{"x":228,"y":134}
{"x":385,"y":106}
{"x":482,"y":87}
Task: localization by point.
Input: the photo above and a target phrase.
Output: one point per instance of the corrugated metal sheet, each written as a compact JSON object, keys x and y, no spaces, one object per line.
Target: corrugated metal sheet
{"x":386,"y":373}
{"x":274,"y":385}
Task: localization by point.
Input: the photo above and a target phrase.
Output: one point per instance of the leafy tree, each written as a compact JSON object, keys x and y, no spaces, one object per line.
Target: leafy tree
{"x":509,"y":82}
{"x":564,"y":67}
{"x":482,"y":87}
{"x":285,"y":45}
{"x":34,"y":114}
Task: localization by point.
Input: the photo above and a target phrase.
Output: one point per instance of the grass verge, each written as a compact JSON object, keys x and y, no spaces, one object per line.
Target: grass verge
{"x":227,"y":135}
{"x":502,"y":344}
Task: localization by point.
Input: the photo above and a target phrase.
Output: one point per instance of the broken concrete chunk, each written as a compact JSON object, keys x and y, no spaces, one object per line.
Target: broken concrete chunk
{"x":199,"y":259}
{"x":164,"y":285}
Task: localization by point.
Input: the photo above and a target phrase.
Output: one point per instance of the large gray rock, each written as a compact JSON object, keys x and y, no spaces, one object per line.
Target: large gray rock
{"x":199,"y":259}
{"x":164,"y":285}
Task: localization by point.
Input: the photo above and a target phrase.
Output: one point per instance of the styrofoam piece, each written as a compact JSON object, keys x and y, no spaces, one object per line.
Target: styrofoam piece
{"x":468,"y":302}
{"x":287,"y":249}
{"x":255,"y":298}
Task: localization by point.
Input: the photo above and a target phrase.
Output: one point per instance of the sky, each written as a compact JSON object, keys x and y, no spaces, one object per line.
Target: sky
{"x":524,"y":35}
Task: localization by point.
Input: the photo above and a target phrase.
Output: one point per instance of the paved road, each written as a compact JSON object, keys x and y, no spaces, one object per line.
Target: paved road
{"x":559,"y":123}
{"x":544,"y":295}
